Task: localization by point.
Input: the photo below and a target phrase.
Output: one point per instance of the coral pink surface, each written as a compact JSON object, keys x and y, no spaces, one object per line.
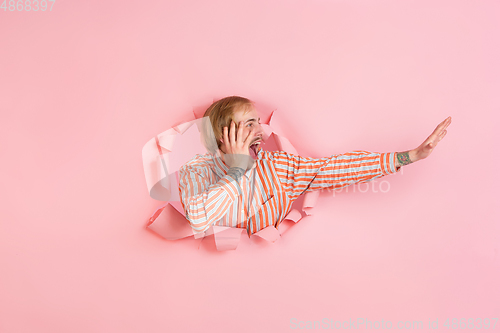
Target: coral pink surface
{"x":85,"y":84}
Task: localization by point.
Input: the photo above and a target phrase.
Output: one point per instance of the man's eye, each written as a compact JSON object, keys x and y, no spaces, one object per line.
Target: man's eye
{"x":250,"y":124}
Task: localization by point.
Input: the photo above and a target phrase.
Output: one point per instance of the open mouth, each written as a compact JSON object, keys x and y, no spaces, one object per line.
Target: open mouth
{"x":254,"y":146}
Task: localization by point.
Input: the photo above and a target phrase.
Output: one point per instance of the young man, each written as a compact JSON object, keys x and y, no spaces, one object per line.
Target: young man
{"x":238,"y":184}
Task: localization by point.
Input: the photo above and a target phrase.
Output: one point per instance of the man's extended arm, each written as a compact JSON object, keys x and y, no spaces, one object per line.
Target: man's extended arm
{"x":299,"y":174}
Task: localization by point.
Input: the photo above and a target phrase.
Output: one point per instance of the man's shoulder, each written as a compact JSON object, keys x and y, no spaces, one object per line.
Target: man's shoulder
{"x":198,"y":162}
{"x":276,"y":154}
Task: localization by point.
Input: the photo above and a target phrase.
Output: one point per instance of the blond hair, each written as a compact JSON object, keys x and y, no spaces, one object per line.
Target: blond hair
{"x":219,"y":115}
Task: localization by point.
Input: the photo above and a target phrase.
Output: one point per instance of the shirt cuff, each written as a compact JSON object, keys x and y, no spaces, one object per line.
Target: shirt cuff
{"x":388,"y":163}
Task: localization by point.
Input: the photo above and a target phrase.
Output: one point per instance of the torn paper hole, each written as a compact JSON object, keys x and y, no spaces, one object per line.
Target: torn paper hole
{"x":164,"y":155}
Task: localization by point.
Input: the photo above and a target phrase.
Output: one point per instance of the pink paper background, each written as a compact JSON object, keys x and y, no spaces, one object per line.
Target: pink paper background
{"x":84,"y":86}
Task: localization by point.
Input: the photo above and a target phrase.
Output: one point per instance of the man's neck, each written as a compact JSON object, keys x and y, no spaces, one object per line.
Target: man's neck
{"x":221,"y":154}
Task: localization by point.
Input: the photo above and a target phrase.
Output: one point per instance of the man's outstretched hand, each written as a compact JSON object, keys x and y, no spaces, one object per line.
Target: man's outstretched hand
{"x":426,"y":148}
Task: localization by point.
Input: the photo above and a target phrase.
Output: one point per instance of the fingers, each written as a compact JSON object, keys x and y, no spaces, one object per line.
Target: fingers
{"x":240,"y":139}
{"x":434,"y":141}
{"x":233,"y":138}
{"x":438,"y":136}
{"x":431,"y":142}
{"x":240,"y":132}
{"x":444,"y":124}
{"x":226,"y":140}
{"x":249,"y":138}
{"x":440,"y":130}
{"x":232,"y":133}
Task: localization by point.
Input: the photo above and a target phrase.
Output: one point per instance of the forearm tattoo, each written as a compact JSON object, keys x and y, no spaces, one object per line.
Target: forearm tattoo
{"x":404,"y":158}
{"x":236,"y":173}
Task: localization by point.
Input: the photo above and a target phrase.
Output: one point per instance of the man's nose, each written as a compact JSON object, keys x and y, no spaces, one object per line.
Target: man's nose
{"x":259,"y":131}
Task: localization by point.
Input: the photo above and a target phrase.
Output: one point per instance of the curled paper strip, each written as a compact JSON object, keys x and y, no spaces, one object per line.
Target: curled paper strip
{"x":310,"y":202}
{"x":165,"y":154}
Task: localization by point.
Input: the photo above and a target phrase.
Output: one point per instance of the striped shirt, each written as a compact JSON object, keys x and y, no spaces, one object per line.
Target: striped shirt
{"x":264,"y":194}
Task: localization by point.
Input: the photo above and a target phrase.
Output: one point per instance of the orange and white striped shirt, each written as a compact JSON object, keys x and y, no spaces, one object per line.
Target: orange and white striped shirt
{"x":264,"y":194}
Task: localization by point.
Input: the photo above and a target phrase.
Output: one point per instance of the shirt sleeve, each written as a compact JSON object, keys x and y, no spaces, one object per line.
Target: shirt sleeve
{"x":205,"y":202}
{"x":301,"y":174}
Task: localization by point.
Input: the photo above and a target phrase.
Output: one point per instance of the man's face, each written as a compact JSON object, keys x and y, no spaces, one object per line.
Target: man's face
{"x":251,"y":121}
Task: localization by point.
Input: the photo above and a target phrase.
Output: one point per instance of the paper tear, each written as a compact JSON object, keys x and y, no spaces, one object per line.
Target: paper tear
{"x":310,"y":200}
{"x":269,"y":233}
{"x":294,"y":215}
{"x":290,"y":219}
{"x":227,"y":238}
{"x":170,"y":224}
